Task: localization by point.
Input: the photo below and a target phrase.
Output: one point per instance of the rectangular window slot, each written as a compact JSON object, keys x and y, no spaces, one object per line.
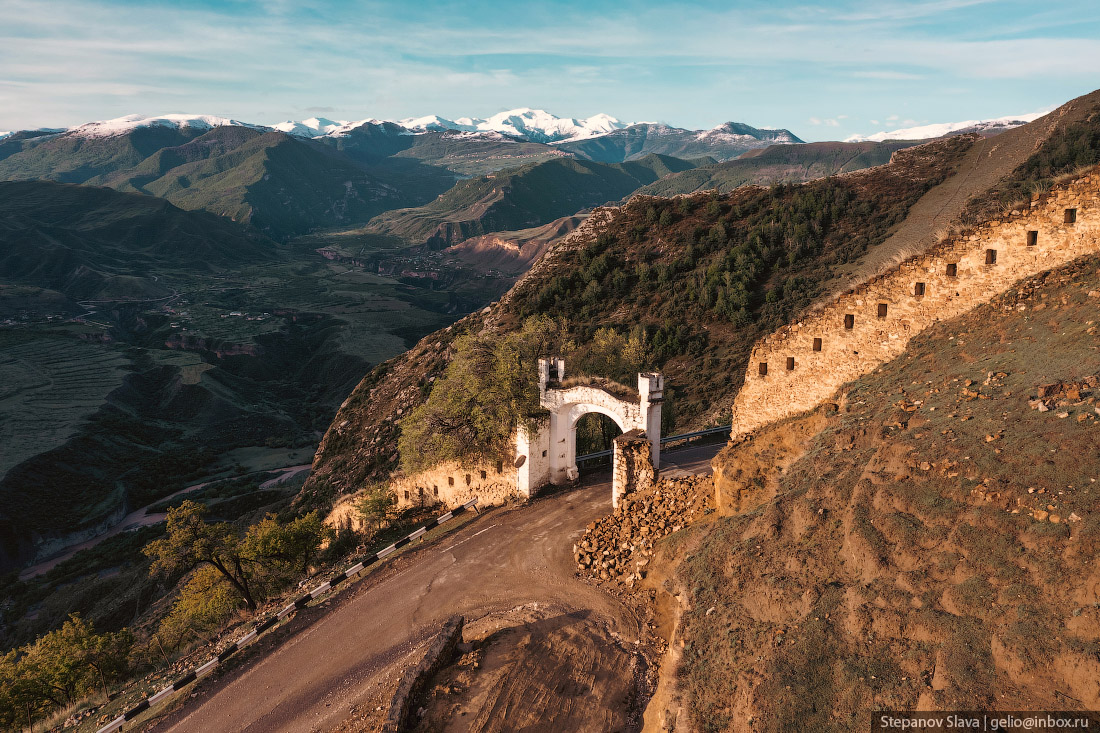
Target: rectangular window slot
{"x":817,"y":344}
{"x":790,"y":363}
{"x":882,"y":308}
{"x":467,"y":479}
{"x":991,"y":257}
{"x":1071,"y":216}
{"x":450,"y":480}
{"x":406,"y":495}
{"x":435,"y":491}
{"x":849,"y":321}
{"x":918,"y":289}
{"x":483,"y":474}
{"x":1032,"y":239}
{"x":952,"y":270}
{"x":763,"y":368}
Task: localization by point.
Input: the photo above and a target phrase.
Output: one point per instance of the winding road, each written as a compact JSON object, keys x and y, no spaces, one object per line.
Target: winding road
{"x":315,"y":679}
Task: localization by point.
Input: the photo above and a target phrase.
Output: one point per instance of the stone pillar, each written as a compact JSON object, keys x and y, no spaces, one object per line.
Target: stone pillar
{"x":544,"y":375}
{"x":632,"y":469}
{"x":651,"y":388}
{"x":532,"y":459}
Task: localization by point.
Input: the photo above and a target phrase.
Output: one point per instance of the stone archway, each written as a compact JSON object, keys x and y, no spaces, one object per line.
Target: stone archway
{"x":548,"y":454}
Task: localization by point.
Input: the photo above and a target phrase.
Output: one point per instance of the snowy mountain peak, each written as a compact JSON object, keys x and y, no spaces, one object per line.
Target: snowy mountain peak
{"x":4,"y":134}
{"x":536,"y":125}
{"x":927,"y":132}
{"x":731,"y":131}
{"x":123,"y":125}
{"x":313,"y":127}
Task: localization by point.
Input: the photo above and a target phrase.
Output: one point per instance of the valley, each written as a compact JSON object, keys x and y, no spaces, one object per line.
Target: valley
{"x":257,"y":334}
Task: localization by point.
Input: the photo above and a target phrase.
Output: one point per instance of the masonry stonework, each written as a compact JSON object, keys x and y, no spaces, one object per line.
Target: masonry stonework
{"x":802,"y":365}
{"x":455,"y":482}
{"x":547,"y":454}
{"x":632,"y":467}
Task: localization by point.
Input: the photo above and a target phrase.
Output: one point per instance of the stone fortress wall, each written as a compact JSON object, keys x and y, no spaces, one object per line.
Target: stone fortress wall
{"x":803,"y":365}
{"x":455,"y":482}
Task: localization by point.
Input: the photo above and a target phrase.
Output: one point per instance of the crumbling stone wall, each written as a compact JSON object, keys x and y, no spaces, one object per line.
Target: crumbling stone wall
{"x":632,"y":466}
{"x":802,"y":365}
{"x":455,"y":482}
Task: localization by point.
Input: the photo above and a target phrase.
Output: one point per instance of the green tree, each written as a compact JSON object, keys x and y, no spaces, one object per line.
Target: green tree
{"x":486,"y":390}
{"x":204,"y":604}
{"x":191,"y":543}
{"x":294,"y":545}
{"x":375,"y":505}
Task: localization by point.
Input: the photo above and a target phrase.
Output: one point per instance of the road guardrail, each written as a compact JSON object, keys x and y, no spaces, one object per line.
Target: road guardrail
{"x":302,"y":602}
{"x":669,"y":439}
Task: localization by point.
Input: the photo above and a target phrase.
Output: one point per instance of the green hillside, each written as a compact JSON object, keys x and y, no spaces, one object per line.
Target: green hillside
{"x":459,"y":153}
{"x":90,"y":242}
{"x":76,"y":159}
{"x":520,"y":198}
{"x":280,"y":184}
{"x":778,"y":163}
{"x":143,"y":347}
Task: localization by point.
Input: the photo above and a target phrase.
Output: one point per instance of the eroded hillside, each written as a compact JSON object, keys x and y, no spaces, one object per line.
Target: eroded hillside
{"x":934,"y":547}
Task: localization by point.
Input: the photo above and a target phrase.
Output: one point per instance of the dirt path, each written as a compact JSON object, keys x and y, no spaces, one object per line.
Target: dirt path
{"x":514,"y":560}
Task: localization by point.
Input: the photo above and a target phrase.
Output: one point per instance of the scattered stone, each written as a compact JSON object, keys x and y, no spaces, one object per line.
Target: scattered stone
{"x":625,"y":538}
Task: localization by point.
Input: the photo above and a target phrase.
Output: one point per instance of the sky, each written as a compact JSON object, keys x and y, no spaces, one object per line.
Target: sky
{"x":823,"y":70}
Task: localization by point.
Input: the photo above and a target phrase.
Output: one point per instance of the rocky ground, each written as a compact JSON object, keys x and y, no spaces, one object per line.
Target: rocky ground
{"x":933,"y":545}
{"x":621,"y":545}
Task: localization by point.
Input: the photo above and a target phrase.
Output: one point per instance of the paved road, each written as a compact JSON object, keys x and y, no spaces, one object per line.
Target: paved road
{"x":504,"y":559}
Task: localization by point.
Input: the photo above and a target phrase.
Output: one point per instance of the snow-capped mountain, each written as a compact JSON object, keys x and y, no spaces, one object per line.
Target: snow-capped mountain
{"x":313,"y":127}
{"x":739,"y":132}
{"x":123,"y":125}
{"x":927,"y":132}
{"x":4,"y":134}
{"x":535,"y":125}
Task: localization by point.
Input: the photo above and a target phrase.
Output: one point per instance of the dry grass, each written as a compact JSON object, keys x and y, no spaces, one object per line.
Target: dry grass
{"x":900,"y":564}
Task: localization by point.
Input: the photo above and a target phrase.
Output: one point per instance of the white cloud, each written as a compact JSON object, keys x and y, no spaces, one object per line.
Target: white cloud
{"x":79,"y":55}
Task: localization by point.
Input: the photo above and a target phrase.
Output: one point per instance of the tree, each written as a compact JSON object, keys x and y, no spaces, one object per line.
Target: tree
{"x":203,"y":605}
{"x":59,"y":668}
{"x":294,"y":545}
{"x":375,"y":505}
{"x":488,"y":388}
{"x":191,"y":543}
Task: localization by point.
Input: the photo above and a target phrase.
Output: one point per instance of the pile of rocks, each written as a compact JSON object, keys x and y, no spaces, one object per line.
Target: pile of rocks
{"x":619,"y":546}
{"x":1065,"y":394}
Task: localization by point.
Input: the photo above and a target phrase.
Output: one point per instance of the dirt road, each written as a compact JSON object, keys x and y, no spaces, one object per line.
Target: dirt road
{"x":508,"y":558}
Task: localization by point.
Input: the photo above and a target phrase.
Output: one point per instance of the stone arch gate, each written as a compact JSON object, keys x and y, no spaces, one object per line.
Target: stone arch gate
{"x":548,"y":454}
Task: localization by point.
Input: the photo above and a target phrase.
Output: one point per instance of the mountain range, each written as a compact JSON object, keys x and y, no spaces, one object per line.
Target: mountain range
{"x":300,"y":177}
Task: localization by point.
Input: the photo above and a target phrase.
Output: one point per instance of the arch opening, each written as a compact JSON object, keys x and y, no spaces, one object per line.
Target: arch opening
{"x":595,"y":432}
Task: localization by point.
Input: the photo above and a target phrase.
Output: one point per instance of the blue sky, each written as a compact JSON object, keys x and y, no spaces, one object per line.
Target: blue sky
{"x":823,"y":70}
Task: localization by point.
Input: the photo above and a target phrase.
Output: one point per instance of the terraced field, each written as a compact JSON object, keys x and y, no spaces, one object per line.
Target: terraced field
{"x":48,"y":385}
